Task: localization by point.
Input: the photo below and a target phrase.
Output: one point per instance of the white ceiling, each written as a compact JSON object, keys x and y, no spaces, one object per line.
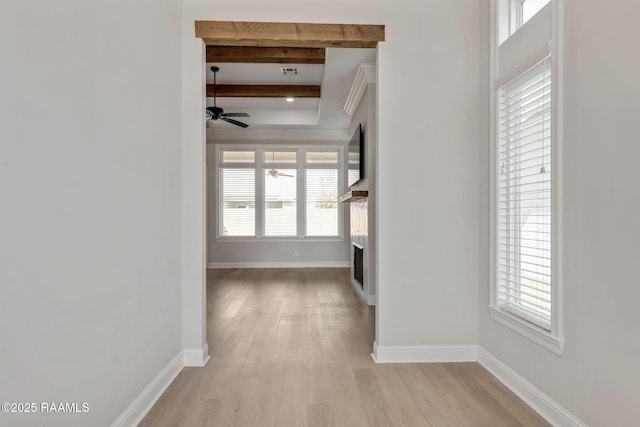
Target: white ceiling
{"x":326,"y":113}
{"x":265,"y":74}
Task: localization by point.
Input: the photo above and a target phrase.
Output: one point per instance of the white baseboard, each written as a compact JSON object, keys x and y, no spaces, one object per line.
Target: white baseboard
{"x":141,"y":405}
{"x":280,"y":264}
{"x":544,"y":405}
{"x":371,"y":300}
{"x":196,"y":357}
{"x":424,"y":353}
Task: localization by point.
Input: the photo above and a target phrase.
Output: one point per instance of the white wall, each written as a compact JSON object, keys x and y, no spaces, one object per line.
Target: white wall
{"x":428,"y":162}
{"x":89,"y":203}
{"x":274,"y":255}
{"x":194,"y":190}
{"x":269,"y":253}
{"x":597,"y":376}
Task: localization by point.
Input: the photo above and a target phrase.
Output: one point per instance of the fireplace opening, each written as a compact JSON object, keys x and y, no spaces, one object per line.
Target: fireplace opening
{"x":358,"y":267}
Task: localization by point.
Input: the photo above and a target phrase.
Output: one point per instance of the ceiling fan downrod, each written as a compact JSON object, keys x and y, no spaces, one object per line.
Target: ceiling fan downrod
{"x":215,"y":71}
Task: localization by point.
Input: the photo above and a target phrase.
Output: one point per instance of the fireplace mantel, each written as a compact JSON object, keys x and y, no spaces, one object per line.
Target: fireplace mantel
{"x":354,"y":196}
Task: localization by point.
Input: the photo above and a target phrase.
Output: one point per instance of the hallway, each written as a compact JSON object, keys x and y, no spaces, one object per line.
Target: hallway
{"x":291,"y":347}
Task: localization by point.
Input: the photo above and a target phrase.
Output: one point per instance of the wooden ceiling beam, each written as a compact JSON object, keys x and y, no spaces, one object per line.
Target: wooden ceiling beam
{"x":265,"y":55}
{"x":288,"y":34}
{"x":264,"y":91}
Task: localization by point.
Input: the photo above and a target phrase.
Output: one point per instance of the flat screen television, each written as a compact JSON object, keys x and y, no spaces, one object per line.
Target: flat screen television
{"x":355,"y":171}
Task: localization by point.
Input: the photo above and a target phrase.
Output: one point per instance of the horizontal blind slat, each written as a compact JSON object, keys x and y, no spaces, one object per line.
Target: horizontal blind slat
{"x":520,"y":268}
{"x":534,"y":303}
{"x":535,"y":292}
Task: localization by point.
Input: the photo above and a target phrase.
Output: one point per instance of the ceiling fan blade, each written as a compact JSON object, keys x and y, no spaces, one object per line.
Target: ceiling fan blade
{"x":235,"y":122}
{"x":234,"y":115}
{"x":284,"y":174}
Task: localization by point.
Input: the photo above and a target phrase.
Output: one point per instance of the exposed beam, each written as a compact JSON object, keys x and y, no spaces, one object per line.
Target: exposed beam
{"x":288,"y":34}
{"x":263,"y":55}
{"x":264,"y":91}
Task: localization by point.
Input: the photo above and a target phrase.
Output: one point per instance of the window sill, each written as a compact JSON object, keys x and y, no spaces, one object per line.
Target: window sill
{"x":528,"y":330}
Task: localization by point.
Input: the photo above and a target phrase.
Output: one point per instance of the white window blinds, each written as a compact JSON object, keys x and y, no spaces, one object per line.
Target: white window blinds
{"x":524,"y":195}
{"x":238,"y":200}
{"x":322,"y":202}
{"x":278,"y":191}
{"x":280,"y":202}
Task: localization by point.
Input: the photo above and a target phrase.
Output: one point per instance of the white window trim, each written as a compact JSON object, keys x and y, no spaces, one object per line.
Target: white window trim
{"x":511,"y":17}
{"x":261,"y":164}
{"x":552,"y":340}
{"x":517,"y":12}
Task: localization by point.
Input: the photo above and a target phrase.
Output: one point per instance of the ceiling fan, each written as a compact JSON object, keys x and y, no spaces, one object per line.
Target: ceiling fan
{"x":274,"y":172}
{"x":217,"y":113}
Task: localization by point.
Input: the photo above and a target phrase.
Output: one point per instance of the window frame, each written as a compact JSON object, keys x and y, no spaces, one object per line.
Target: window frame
{"x":511,"y":18}
{"x":552,"y":340}
{"x":260,"y":166}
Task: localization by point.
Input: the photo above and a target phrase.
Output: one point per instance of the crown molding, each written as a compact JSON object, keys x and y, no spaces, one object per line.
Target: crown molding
{"x":365,"y":75}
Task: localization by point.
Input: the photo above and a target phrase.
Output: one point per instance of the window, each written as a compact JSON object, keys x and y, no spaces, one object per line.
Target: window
{"x":322,"y":157}
{"x":525,"y":265}
{"x":515,"y":13}
{"x":321,"y":170}
{"x":238,"y":157}
{"x":279,"y":191}
{"x":238,"y":197}
{"x":524,"y":196}
{"x":322,"y":202}
{"x":280,"y":205}
{"x":531,"y":7}
{"x":281,"y":157}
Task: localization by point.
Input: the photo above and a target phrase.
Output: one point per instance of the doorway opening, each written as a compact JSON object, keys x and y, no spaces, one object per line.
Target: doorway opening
{"x":293,"y":42}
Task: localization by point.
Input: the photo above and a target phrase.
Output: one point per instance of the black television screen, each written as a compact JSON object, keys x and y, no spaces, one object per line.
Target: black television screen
{"x":355,"y":172}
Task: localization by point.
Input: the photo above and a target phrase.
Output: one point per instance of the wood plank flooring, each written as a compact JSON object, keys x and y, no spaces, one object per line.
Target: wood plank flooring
{"x":291,"y":347}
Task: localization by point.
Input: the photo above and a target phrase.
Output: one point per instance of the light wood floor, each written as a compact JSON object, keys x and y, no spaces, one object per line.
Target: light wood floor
{"x":291,"y":348}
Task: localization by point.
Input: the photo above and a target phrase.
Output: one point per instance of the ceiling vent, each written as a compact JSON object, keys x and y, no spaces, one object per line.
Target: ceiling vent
{"x":289,"y":71}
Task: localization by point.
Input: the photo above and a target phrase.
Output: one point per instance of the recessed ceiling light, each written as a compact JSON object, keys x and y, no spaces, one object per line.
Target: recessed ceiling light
{"x":289,"y":99}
